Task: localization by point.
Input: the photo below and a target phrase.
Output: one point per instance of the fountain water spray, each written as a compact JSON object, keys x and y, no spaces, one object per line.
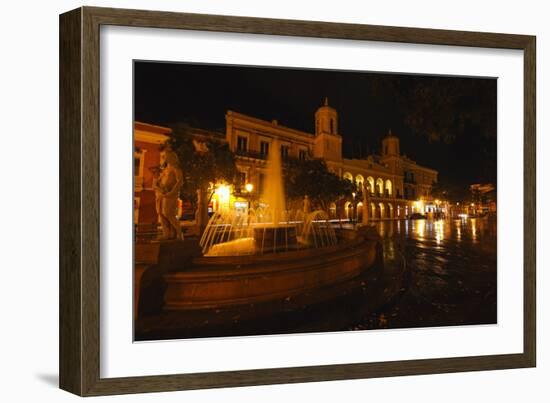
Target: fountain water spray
{"x":269,"y":229}
{"x":274,"y":192}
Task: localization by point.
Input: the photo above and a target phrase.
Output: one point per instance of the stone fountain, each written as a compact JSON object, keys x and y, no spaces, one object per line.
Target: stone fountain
{"x":268,"y":254}
{"x":269,"y":229}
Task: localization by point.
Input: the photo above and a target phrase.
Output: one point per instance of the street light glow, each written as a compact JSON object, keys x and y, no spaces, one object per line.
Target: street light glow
{"x":224,"y":192}
{"x":249,"y":187}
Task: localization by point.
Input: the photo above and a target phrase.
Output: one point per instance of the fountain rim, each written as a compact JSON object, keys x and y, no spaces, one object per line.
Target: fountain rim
{"x":283,"y":255}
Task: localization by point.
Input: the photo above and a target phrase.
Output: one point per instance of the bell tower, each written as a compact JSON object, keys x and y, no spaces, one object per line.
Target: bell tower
{"x":326,"y":119}
{"x":390,"y":145}
{"x":328,"y":142}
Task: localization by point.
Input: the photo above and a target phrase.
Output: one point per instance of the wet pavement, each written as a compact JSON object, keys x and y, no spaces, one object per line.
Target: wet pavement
{"x":452,"y":273}
{"x":435,"y":273}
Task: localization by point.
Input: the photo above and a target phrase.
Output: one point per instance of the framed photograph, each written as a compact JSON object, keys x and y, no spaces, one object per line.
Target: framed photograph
{"x":251,"y":201}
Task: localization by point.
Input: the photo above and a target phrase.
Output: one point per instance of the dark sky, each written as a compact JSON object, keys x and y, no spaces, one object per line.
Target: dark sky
{"x":445,"y":123}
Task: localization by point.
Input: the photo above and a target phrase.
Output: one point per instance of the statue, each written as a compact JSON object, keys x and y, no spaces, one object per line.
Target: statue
{"x":167,"y":186}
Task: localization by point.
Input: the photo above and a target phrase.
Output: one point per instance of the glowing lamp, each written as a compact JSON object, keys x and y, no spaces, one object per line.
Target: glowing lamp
{"x":223,"y":192}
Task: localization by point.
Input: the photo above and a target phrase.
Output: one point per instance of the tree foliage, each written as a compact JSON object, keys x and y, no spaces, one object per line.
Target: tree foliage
{"x":204,"y":161}
{"x":312,"y":178}
{"x":441,"y":109}
{"x":445,"y":190}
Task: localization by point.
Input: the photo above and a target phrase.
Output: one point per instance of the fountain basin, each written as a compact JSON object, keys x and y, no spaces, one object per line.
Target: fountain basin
{"x":223,"y":281}
{"x":275,"y":238}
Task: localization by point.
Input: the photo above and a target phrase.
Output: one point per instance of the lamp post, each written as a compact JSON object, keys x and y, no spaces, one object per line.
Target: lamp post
{"x":353,"y":211}
{"x":365,"y":206}
{"x":249,"y":187}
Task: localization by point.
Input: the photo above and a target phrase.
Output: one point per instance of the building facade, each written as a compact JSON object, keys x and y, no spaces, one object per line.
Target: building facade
{"x":397,"y":186}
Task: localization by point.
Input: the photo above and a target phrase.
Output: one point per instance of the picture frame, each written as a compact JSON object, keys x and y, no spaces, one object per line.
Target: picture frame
{"x":80,"y":155}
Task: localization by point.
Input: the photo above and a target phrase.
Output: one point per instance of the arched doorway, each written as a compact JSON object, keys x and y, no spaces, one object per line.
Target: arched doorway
{"x":348,"y":208}
{"x":360,"y":212}
{"x":382,"y":210}
{"x":347,"y":176}
{"x":390,"y":211}
{"x":373,"y":211}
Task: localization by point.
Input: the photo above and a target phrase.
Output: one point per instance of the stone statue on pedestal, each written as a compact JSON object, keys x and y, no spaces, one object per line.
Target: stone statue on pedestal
{"x":167,"y":187}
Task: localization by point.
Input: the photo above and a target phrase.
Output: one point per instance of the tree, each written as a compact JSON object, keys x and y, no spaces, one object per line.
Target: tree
{"x":312,"y":178}
{"x":444,"y":190}
{"x":442,"y":109}
{"x":205,"y":161}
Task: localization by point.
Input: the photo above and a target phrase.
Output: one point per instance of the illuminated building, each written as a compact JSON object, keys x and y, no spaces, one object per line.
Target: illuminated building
{"x":484,"y":198}
{"x":397,"y":185}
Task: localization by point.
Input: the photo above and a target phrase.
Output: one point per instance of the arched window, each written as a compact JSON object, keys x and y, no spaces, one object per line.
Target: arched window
{"x":388,"y":187}
{"x":359,"y":180}
{"x":370,"y":181}
{"x":380,"y":185}
{"x":382,"y":210}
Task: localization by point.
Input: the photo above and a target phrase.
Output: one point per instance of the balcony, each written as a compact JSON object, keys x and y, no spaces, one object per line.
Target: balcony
{"x":260,"y":156}
{"x":382,"y":195}
{"x":251,"y":154}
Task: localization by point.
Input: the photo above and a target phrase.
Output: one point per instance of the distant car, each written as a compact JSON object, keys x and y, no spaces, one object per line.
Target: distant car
{"x":417,"y":216}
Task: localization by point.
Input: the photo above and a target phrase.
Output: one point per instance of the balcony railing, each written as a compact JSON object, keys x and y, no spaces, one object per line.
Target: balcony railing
{"x":262,"y":156}
{"x":251,"y":154}
{"x":384,"y":194}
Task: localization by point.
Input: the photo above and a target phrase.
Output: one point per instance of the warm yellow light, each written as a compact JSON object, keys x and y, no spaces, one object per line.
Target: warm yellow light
{"x":472,"y":204}
{"x":249,"y":187}
{"x":223,"y":192}
{"x":437,"y":201}
{"x":353,"y":194}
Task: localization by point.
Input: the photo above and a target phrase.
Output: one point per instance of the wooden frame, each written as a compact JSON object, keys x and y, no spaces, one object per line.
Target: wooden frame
{"x":79,"y":201}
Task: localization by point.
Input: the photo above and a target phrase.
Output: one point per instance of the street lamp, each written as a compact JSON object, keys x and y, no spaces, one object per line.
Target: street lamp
{"x":249,"y":187}
{"x":353,"y":210}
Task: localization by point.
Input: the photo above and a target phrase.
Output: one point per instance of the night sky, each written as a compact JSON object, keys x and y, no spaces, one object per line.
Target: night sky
{"x":445,"y":123}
